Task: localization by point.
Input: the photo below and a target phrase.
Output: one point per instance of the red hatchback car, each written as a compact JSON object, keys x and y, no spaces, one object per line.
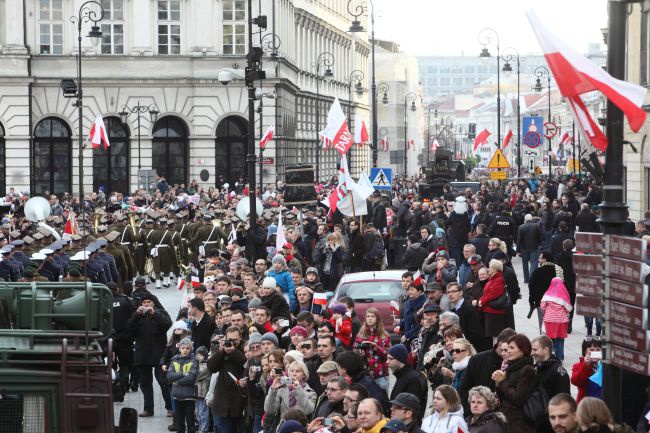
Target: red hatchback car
{"x":372,"y":289}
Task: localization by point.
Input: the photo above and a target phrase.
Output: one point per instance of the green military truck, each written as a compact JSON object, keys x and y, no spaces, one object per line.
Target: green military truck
{"x":55,"y":376}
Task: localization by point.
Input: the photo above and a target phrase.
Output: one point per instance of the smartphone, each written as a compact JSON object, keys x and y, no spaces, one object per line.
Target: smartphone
{"x":256,"y":368}
{"x":277,"y":370}
{"x":596,"y":355}
{"x":284,"y":323}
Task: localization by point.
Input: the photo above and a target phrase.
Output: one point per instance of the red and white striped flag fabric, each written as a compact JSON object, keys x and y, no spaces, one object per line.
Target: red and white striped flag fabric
{"x":325,"y":142}
{"x":320,"y":298}
{"x":181,"y":283}
{"x":337,"y":130}
{"x":576,"y":75}
{"x":196,"y":282}
{"x":411,"y":144}
{"x":564,"y":138}
{"x":417,"y":278}
{"x":361,"y":136}
{"x":98,"y":134}
{"x":507,"y":139}
{"x":481,"y":138}
{"x":435,"y":145}
{"x":268,"y":136}
{"x":71,"y":227}
{"x":394,"y":307}
{"x":384,"y":143}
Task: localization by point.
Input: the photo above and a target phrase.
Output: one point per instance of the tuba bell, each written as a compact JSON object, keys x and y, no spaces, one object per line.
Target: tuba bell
{"x":97,"y":216}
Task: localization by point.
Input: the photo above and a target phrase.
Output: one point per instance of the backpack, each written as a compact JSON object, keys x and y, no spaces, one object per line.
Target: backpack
{"x":377,"y":250}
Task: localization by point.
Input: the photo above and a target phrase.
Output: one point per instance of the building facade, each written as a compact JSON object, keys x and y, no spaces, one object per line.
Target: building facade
{"x":168,"y":54}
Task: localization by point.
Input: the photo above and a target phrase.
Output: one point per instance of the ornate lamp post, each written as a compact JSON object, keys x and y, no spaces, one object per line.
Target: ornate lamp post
{"x":485,"y":38}
{"x":543,"y":72}
{"x":410,"y":97}
{"x":139,"y":109}
{"x":325,"y":60}
{"x":270,"y":43}
{"x":509,"y":54}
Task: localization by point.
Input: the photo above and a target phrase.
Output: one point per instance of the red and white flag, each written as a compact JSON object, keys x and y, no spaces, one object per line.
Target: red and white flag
{"x":361,"y":136}
{"x":507,"y":139}
{"x":394,"y":307}
{"x":384,"y":143}
{"x":481,"y":138}
{"x":566,"y":139}
{"x":196,"y":282}
{"x":336,"y":130}
{"x":320,"y":298}
{"x":576,"y":75}
{"x":411,"y":144}
{"x":435,"y":145}
{"x":98,"y":134}
{"x":325,"y":142}
{"x":181,"y":283}
{"x":417,"y":278}
{"x":71,"y":227}
{"x":268,"y":136}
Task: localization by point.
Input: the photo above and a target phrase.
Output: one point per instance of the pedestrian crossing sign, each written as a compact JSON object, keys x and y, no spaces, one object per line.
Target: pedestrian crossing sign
{"x":381,"y":178}
{"x":498,"y":160}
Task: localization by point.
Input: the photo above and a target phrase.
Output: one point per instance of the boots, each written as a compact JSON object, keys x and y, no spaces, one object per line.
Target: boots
{"x":166,"y":282}
{"x":158,"y":284}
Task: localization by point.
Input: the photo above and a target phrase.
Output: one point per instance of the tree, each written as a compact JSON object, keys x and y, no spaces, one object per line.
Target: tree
{"x":471,"y":161}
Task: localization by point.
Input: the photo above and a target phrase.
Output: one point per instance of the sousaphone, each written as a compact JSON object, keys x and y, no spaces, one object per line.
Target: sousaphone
{"x":244,"y":207}
{"x":36,"y":210}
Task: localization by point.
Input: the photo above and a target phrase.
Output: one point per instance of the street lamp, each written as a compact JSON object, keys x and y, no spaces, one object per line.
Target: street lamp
{"x":324,"y":60}
{"x":356,"y":27}
{"x":270,"y":43}
{"x":485,"y":38}
{"x":356,"y":82}
{"x":509,"y":54}
{"x":87,"y":13}
{"x":434,"y":105}
{"x":409,"y":97}
{"x":542,"y":72}
{"x":139,"y":109}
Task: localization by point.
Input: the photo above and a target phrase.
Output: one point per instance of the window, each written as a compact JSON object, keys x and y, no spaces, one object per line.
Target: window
{"x":52,"y":157}
{"x":169,"y":27}
{"x":230,"y":150}
{"x":51,"y":26}
{"x":3,"y":166}
{"x":234,"y":27}
{"x":111,"y":166}
{"x":169,"y":153}
{"x":113,"y":27}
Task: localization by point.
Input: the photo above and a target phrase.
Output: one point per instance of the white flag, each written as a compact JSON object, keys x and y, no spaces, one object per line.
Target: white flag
{"x":279,"y":235}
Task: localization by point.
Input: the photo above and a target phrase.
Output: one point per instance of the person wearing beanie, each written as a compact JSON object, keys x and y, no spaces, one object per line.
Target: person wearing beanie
{"x":293,"y":355}
{"x":342,"y":324}
{"x":312,"y":280}
{"x":239,"y":301}
{"x":202,"y":388}
{"x":273,"y":300}
{"x":269,"y":342}
{"x":283,"y":279}
{"x":298,"y":334}
{"x":406,"y":379}
{"x":182,"y":373}
{"x":253,"y":305}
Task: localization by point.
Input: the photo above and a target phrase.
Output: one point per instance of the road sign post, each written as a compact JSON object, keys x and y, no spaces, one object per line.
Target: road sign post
{"x":381,"y":178}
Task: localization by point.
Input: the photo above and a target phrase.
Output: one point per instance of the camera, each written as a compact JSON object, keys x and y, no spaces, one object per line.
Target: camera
{"x":277,"y":371}
{"x":256,"y":368}
{"x":283,"y":323}
{"x":228,"y":343}
{"x":327,"y":422}
{"x":284,"y":380}
{"x":434,"y":360}
{"x":365,"y":345}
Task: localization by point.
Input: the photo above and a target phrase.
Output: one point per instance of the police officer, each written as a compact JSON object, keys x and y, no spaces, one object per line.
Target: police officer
{"x":123,"y":309}
{"x":504,"y":227}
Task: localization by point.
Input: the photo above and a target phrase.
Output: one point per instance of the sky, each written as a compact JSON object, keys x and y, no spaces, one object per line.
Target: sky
{"x":452,"y":27}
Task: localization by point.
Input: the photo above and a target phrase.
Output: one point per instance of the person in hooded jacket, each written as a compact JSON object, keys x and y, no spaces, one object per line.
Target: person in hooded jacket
{"x":415,"y":254}
{"x":448,"y":413}
{"x":357,"y":247}
{"x":282,"y":277}
{"x":273,"y":300}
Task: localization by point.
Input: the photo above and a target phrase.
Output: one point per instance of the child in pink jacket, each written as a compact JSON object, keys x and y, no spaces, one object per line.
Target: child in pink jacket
{"x":556,"y":306}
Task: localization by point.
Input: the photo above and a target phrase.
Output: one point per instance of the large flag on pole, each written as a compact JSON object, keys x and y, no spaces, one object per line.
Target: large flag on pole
{"x":336,"y":130}
{"x":360,"y":131}
{"x":71,"y":227}
{"x":268,"y":136}
{"x":576,"y":75}
{"x":98,"y":134}
{"x":481,"y":138}
{"x":506,"y":138}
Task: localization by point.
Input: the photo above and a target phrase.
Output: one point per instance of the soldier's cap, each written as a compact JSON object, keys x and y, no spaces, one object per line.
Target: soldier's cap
{"x":46,"y":251}
{"x":76,"y":238}
{"x":162,"y":221}
{"x":171,"y":221}
{"x":101,"y":242}
{"x":111,"y":236}
{"x":81,"y":255}
{"x":54,"y":247}
{"x":45,"y":232}
{"x":38,"y":256}
{"x":102,"y":228}
{"x":140,"y":282}
{"x":58,"y":219}
{"x":148,"y":221}
{"x":14,"y":234}
{"x":4,"y":251}
{"x":49,"y":219}
{"x":120,"y":218}
{"x":37,"y":236}
{"x":28,"y":240}
{"x":18,"y":243}
{"x":207,"y":216}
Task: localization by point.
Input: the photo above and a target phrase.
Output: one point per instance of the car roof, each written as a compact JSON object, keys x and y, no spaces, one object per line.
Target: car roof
{"x":372,"y":275}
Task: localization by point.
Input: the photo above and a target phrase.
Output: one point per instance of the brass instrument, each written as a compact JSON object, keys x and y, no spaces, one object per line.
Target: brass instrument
{"x":97,"y":218}
{"x":132,"y":224}
{"x":183,"y":268}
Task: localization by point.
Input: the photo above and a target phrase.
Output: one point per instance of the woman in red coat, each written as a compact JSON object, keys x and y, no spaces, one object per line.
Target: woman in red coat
{"x":586,"y":367}
{"x":495,"y":287}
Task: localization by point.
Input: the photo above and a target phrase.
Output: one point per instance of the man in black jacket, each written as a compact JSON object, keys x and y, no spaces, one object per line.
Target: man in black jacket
{"x":406,"y":408}
{"x":415,"y":254}
{"x":378,"y":212}
{"x":481,"y":240}
{"x":504,"y":227}
{"x":123,"y":310}
{"x":529,"y":239}
{"x":561,"y":236}
{"x":202,"y":324}
{"x":149,"y":325}
{"x":406,"y":379}
{"x":469,"y":320}
{"x":586,"y":220}
{"x":482,"y":365}
{"x":552,"y":376}
{"x":430,"y":335}
{"x":332,"y":400}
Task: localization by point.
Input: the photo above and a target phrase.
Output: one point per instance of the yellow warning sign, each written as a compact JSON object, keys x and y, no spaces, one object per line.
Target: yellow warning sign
{"x":498,"y":175}
{"x":498,"y":160}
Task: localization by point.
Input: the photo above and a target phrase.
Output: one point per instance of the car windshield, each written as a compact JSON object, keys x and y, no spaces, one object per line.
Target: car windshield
{"x":371,"y":290}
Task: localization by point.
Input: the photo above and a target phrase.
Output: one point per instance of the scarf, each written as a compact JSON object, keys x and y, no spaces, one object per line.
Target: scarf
{"x":460,"y":365}
{"x":558,"y":294}
{"x":292,"y":395}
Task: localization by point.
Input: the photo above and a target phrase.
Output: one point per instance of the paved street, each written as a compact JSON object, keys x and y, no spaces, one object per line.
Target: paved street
{"x":171,"y":299}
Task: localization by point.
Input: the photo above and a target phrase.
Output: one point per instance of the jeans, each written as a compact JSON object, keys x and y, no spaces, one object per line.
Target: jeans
{"x":229,"y":424}
{"x":146,"y":385}
{"x":558,"y":348}
{"x":456,"y":253}
{"x":257,"y":423}
{"x":589,"y":323}
{"x":185,"y":416}
{"x":203,"y":414}
{"x":529,"y":256}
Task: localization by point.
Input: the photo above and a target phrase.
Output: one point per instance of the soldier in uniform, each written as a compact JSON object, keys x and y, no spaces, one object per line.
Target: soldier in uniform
{"x":175,"y":251}
{"x":118,"y":256}
{"x":94,"y":268}
{"x":50,"y":269}
{"x":162,"y":245}
{"x":138,"y":246}
{"x":8,"y":270}
{"x":183,"y":233}
{"x":18,"y":251}
{"x":103,"y":243}
{"x":207,"y":237}
{"x":13,"y":260}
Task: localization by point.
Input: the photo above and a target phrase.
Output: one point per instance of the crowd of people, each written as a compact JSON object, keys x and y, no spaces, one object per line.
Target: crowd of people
{"x":259,"y":346}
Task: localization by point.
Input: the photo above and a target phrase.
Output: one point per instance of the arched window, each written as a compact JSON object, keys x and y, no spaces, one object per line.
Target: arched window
{"x":111,"y":166}
{"x":52,"y":157}
{"x":3,"y":166}
{"x":169,"y":152}
{"x":230,"y":149}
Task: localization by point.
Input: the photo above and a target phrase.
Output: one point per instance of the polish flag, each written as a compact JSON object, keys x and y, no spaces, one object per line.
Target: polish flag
{"x":181,"y":283}
{"x":71,"y":227}
{"x":394,"y":307}
{"x":361,"y":136}
{"x":325,"y":142}
{"x":268,"y":136}
{"x":336,"y":129}
{"x":506,"y":139}
{"x":417,"y":278}
{"x":320,"y":298}
{"x":564,"y":138}
{"x":384,"y":143}
{"x":411,"y":144}
{"x":98,"y":134}
{"x":196,"y":282}
{"x":435,"y":145}
{"x":481,"y":138}
{"x":576,"y":75}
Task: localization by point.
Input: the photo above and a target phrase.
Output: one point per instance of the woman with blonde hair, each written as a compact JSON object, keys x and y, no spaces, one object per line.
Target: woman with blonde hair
{"x":594,"y":416}
{"x":461,"y":352}
{"x":373,"y":343}
{"x":494,"y":245}
{"x":447,"y":416}
{"x":290,"y":391}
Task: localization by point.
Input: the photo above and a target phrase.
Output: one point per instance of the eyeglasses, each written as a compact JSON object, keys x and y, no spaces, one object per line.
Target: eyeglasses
{"x":255,"y":347}
{"x":592,"y":338}
{"x":349,"y":417}
{"x":305,"y":346}
{"x":457,"y":351}
{"x":328,"y":389}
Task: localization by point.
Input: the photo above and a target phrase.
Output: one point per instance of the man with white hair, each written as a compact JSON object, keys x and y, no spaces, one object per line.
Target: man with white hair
{"x":529,"y":240}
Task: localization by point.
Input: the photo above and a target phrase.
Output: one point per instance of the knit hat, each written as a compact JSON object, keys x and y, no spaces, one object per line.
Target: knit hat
{"x":444,"y":254}
{"x":269,"y":336}
{"x":292,"y":426}
{"x":237,"y":291}
{"x":185,"y":342}
{"x":312,"y":270}
{"x":255,"y":303}
{"x":269,"y":282}
{"x":279,"y":258}
{"x":298,"y":330}
{"x":399,"y":352}
{"x":297,"y":356}
{"x":339,"y":309}
{"x":202,"y":351}
{"x":179,"y":325}
{"x":528,"y":217}
{"x":254,"y":339}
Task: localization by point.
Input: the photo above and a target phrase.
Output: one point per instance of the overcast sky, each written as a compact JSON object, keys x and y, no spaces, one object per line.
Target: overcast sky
{"x":443,"y":27}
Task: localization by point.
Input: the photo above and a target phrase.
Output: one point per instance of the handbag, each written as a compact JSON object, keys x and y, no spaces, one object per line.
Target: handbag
{"x":536,"y":407}
{"x":502,"y":302}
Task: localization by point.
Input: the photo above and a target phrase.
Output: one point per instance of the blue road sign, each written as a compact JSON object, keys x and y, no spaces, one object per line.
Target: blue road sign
{"x":531,"y":124}
{"x":381,"y":178}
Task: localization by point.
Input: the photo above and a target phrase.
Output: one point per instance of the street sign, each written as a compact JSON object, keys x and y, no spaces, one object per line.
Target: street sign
{"x":628,"y":359}
{"x":589,"y":243}
{"x":267,"y":160}
{"x":587,"y":264}
{"x":635,"y":339}
{"x":623,"y":269}
{"x":627,"y":315}
{"x":550,"y":130}
{"x":498,"y":175}
{"x":589,"y":285}
{"x":532,"y":139}
{"x":624,"y":291}
{"x":589,"y":306}
{"x":381,"y":178}
{"x":627,"y":248}
{"x":498,"y":160}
